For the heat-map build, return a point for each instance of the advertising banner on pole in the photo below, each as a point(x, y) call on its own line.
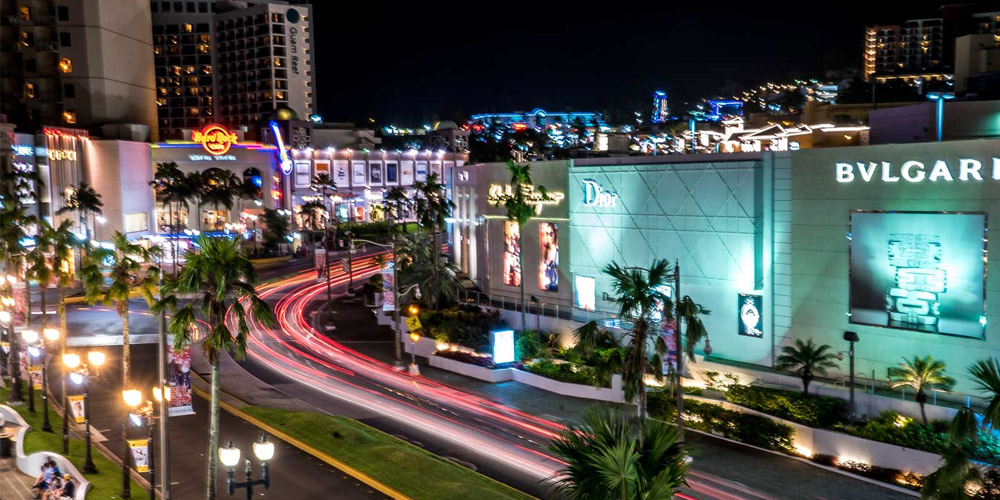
point(140, 455)
point(388, 298)
point(35, 372)
point(670, 360)
point(76, 407)
point(320, 260)
point(180, 382)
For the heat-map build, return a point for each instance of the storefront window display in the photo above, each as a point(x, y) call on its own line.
point(164, 225)
point(214, 220)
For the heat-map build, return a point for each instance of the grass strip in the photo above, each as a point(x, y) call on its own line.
point(408, 469)
point(105, 485)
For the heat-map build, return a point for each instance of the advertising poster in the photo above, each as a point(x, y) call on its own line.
point(375, 171)
point(140, 455)
point(548, 266)
point(503, 346)
point(750, 323)
point(319, 259)
point(919, 271)
point(436, 169)
point(421, 171)
point(35, 372)
point(670, 359)
point(340, 173)
point(406, 168)
point(76, 409)
point(391, 173)
point(358, 171)
point(179, 368)
point(586, 292)
point(303, 177)
point(511, 254)
point(388, 282)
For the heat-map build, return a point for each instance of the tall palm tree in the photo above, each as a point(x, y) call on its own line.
point(86, 203)
point(195, 181)
point(806, 359)
point(218, 189)
point(222, 279)
point(920, 374)
point(324, 185)
point(37, 268)
point(418, 265)
point(986, 375)
point(62, 241)
point(13, 220)
point(607, 458)
point(173, 188)
point(639, 295)
point(520, 209)
point(433, 208)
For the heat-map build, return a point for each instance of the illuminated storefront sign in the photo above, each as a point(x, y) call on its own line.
point(750, 324)
point(595, 195)
point(503, 346)
point(62, 154)
point(498, 193)
point(212, 158)
point(285, 161)
point(22, 150)
point(215, 139)
point(917, 171)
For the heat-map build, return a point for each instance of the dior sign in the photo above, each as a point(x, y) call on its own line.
point(964, 169)
point(595, 195)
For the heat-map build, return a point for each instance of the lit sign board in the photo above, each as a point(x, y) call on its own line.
point(586, 292)
point(498, 193)
point(212, 158)
point(216, 139)
point(968, 169)
point(286, 162)
point(750, 323)
point(597, 196)
point(22, 150)
point(503, 346)
point(62, 154)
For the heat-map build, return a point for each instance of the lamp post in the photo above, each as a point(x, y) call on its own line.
point(940, 98)
point(30, 337)
point(144, 415)
point(80, 375)
point(851, 338)
point(229, 455)
point(40, 350)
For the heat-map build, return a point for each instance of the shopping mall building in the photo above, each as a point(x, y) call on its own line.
point(886, 241)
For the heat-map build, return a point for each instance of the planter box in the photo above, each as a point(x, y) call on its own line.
point(469, 370)
point(611, 395)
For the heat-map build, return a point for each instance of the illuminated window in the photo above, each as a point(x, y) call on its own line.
point(161, 102)
point(188, 28)
point(27, 38)
point(203, 49)
point(279, 62)
point(158, 51)
point(29, 90)
point(66, 65)
point(176, 70)
point(69, 116)
point(193, 111)
point(206, 70)
point(24, 12)
point(136, 222)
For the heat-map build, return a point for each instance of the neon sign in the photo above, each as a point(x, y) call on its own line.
point(216, 139)
point(62, 154)
point(916, 171)
point(595, 195)
point(286, 162)
point(498, 193)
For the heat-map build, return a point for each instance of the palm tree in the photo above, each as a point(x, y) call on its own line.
point(62, 241)
point(920, 373)
point(432, 209)
point(195, 181)
point(13, 220)
point(950, 481)
point(36, 267)
point(85, 202)
point(218, 189)
point(418, 265)
point(639, 295)
point(520, 209)
point(608, 459)
point(222, 279)
point(806, 360)
point(324, 185)
point(172, 188)
point(986, 373)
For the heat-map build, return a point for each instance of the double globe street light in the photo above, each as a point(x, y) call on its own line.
point(229, 455)
point(80, 375)
point(37, 348)
point(145, 415)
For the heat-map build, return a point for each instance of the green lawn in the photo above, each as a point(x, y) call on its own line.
point(105, 485)
point(400, 465)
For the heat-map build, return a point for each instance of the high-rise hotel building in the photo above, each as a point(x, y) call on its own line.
point(231, 62)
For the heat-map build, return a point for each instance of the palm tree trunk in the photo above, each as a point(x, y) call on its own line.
point(126, 357)
point(173, 230)
point(63, 374)
point(437, 263)
point(15, 396)
point(213, 433)
point(520, 263)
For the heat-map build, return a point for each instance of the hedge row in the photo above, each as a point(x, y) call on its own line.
point(814, 411)
point(743, 427)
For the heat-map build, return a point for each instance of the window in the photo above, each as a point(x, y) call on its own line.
point(136, 222)
point(69, 116)
point(202, 7)
point(29, 90)
point(178, 6)
point(64, 39)
point(188, 28)
point(165, 6)
point(190, 6)
point(27, 38)
point(69, 90)
point(24, 13)
point(66, 65)
point(63, 13)
point(30, 66)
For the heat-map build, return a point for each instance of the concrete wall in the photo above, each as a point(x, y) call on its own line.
point(918, 123)
point(120, 172)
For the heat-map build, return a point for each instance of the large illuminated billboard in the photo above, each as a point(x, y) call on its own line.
point(511, 254)
point(548, 265)
point(919, 271)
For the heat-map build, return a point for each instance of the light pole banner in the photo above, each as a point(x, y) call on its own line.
point(670, 360)
point(76, 407)
point(388, 298)
point(180, 382)
point(140, 455)
point(35, 372)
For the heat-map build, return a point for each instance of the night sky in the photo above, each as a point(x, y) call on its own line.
point(409, 63)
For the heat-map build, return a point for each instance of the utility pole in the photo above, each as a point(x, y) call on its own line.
point(164, 406)
point(397, 342)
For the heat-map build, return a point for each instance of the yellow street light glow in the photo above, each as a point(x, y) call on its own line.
point(132, 397)
point(96, 358)
point(51, 333)
point(71, 360)
point(229, 455)
point(29, 336)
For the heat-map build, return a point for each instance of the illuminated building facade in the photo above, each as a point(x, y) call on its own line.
point(61, 67)
point(661, 109)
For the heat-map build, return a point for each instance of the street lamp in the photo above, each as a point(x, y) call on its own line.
point(851, 338)
point(940, 97)
point(229, 455)
point(80, 375)
point(144, 415)
point(37, 348)
point(30, 337)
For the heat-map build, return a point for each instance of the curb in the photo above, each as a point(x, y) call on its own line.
point(347, 469)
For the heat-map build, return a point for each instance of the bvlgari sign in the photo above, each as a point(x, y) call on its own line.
point(963, 169)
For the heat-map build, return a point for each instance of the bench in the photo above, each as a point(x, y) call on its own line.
point(32, 464)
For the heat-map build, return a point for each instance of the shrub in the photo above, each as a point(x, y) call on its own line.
point(743, 427)
point(467, 326)
point(526, 345)
point(563, 372)
point(814, 411)
point(891, 427)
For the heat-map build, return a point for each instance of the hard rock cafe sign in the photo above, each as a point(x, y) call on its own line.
point(216, 139)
